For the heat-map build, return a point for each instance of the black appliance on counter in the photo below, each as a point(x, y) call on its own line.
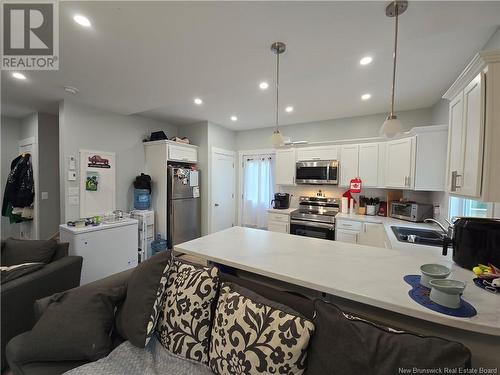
point(474, 241)
point(315, 217)
point(281, 201)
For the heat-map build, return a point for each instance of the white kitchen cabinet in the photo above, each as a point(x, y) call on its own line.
point(474, 136)
point(362, 233)
point(343, 235)
point(285, 167)
point(278, 222)
point(183, 153)
point(317, 153)
point(430, 155)
point(349, 157)
point(368, 168)
point(399, 166)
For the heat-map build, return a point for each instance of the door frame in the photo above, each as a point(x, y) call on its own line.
point(241, 155)
point(34, 160)
point(220, 151)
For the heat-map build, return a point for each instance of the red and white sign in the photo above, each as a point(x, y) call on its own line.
point(355, 185)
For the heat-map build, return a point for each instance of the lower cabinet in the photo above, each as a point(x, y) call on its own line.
point(371, 234)
point(278, 223)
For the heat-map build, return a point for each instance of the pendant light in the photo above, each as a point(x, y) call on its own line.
point(392, 125)
point(278, 48)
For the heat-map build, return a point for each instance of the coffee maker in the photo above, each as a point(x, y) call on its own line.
point(474, 240)
point(281, 201)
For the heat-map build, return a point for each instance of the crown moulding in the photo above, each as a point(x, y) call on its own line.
point(475, 66)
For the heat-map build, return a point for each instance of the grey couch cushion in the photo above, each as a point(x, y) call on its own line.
point(76, 325)
point(26, 251)
point(153, 360)
point(136, 318)
point(343, 344)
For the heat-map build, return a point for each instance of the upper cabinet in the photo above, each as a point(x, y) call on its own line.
point(317, 153)
point(370, 156)
point(349, 158)
point(400, 167)
point(474, 130)
point(285, 167)
point(183, 153)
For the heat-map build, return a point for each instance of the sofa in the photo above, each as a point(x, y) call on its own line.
point(338, 336)
point(18, 296)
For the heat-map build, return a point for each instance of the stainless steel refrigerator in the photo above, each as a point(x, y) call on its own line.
point(183, 204)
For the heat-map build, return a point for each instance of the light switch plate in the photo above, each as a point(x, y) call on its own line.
point(72, 163)
point(71, 176)
point(74, 201)
point(45, 195)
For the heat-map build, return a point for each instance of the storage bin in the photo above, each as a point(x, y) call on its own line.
point(158, 245)
point(142, 199)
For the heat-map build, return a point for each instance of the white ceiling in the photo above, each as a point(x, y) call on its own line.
point(153, 58)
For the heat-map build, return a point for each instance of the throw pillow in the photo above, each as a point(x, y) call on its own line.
point(253, 335)
point(27, 251)
point(185, 322)
point(344, 344)
point(136, 319)
point(76, 325)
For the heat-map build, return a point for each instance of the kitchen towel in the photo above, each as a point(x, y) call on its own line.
point(420, 294)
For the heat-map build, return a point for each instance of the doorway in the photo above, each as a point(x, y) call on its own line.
point(28, 230)
point(222, 205)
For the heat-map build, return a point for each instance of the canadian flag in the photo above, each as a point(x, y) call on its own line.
point(355, 185)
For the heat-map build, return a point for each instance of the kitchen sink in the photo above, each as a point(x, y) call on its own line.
point(427, 237)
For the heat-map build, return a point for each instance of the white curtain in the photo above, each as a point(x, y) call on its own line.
point(258, 189)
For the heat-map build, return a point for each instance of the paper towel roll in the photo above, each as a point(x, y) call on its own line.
point(344, 205)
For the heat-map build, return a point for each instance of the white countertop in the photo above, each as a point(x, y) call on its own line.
point(285, 211)
point(365, 274)
point(102, 226)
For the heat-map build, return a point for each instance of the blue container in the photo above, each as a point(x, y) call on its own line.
point(158, 245)
point(142, 199)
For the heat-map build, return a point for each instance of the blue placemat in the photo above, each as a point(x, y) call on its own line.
point(420, 294)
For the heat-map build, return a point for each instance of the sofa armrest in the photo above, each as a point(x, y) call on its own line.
point(115, 280)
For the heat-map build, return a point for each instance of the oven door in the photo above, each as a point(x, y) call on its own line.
point(312, 229)
point(316, 172)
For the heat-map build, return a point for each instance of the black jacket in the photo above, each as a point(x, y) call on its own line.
point(20, 187)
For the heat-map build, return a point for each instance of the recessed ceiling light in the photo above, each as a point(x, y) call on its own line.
point(289, 109)
point(82, 20)
point(18, 75)
point(264, 85)
point(71, 89)
point(198, 101)
point(366, 96)
point(234, 118)
point(366, 60)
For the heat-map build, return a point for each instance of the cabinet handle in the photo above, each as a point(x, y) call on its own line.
point(406, 181)
point(454, 184)
point(409, 181)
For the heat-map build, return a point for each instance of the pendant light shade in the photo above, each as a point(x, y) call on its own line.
point(277, 138)
point(392, 126)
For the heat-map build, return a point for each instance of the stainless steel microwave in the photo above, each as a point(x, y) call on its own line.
point(411, 211)
point(318, 172)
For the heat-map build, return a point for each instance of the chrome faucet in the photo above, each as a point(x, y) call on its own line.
point(447, 233)
point(443, 228)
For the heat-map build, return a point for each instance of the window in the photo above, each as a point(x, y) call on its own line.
point(469, 207)
point(258, 189)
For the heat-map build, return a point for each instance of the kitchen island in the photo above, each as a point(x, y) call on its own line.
point(369, 276)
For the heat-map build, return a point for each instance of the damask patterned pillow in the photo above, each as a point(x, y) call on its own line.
point(252, 335)
point(184, 324)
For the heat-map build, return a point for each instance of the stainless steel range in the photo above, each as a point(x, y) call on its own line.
point(315, 217)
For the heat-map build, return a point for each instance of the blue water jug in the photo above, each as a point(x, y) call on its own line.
point(142, 199)
point(158, 245)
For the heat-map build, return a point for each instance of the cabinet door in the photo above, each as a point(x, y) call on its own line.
point(368, 164)
point(182, 153)
point(285, 167)
point(472, 143)
point(348, 164)
point(455, 134)
point(317, 153)
point(399, 163)
point(372, 235)
point(276, 226)
point(346, 236)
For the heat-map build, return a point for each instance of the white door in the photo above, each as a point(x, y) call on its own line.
point(285, 167)
point(472, 143)
point(28, 230)
point(348, 164)
point(368, 164)
point(399, 159)
point(223, 181)
point(455, 135)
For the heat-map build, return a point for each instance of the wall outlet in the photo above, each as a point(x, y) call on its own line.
point(45, 195)
point(71, 176)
